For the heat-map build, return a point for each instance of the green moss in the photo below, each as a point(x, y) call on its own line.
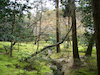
point(83, 71)
point(8, 64)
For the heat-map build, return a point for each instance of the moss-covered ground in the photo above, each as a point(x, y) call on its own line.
point(13, 65)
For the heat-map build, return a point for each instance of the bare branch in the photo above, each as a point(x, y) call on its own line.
point(43, 49)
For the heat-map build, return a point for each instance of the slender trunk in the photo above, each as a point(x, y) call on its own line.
point(36, 36)
point(12, 32)
point(11, 48)
point(18, 46)
point(68, 26)
point(74, 33)
point(68, 22)
point(39, 28)
point(96, 16)
point(57, 26)
point(90, 46)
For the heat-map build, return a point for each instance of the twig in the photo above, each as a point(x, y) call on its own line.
point(43, 49)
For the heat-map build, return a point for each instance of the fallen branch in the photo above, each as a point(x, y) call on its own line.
point(14, 43)
point(66, 37)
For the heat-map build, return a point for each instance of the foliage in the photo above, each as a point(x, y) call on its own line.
point(20, 26)
point(66, 8)
point(87, 18)
point(11, 13)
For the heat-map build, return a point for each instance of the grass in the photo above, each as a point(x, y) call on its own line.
point(83, 71)
point(8, 65)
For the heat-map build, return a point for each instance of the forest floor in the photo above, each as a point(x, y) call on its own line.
point(42, 64)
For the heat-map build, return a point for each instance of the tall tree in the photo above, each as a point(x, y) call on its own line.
point(67, 13)
point(96, 16)
point(74, 31)
point(57, 25)
point(69, 10)
point(12, 30)
point(87, 21)
point(90, 46)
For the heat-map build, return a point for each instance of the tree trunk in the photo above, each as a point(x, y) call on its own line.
point(96, 16)
point(69, 41)
point(74, 33)
point(90, 46)
point(11, 48)
point(12, 39)
point(12, 32)
point(57, 26)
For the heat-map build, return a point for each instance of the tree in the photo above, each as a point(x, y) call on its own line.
point(74, 32)
point(67, 13)
point(57, 25)
point(87, 21)
point(4, 35)
point(11, 14)
point(90, 46)
point(96, 17)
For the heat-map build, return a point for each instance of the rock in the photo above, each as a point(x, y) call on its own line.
point(48, 73)
point(49, 53)
point(53, 67)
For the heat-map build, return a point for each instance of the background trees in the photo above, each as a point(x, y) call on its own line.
point(11, 13)
point(87, 21)
point(39, 33)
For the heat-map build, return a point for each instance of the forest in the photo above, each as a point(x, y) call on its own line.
point(49, 37)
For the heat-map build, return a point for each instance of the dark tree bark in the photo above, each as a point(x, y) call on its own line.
point(90, 46)
point(96, 16)
point(57, 26)
point(11, 47)
point(68, 26)
point(74, 33)
point(12, 32)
